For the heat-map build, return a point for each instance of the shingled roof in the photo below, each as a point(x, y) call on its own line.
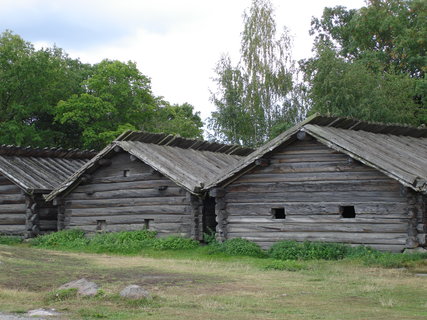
point(187, 162)
point(40, 169)
point(399, 152)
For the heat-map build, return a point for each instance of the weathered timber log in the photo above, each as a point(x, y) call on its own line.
point(316, 227)
point(14, 229)
point(129, 193)
point(306, 176)
point(133, 227)
point(163, 209)
point(132, 219)
point(313, 168)
point(217, 192)
point(412, 211)
point(304, 136)
point(104, 162)
point(12, 198)
point(195, 204)
point(12, 208)
point(9, 219)
point(61, 217)
point(124, 202)
point(393, 210)
point(313, 219)
point(344, 237)
point(422, 239)
point(221, 216)
point(9, 189)
point(254, 197)
point(112, 185)
point(86, 178)
point(48, 225)
point(316, 186)
point(381, 247)
point(262, 162)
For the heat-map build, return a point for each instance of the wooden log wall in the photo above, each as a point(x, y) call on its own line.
point(312, 183)
point(421, 222)
point(12, 208)
point(47, 215)
point(125, 194)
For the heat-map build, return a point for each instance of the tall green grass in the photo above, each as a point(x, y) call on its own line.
point(134, 242)
point(125, 242)
point(10, 240)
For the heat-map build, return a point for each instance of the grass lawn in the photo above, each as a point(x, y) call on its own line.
point(190, 285)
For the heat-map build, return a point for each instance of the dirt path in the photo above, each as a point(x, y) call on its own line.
point(8, 316)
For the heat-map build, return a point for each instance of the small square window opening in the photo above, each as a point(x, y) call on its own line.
point(147, 223)
point(125, 173)
point(347, 212)
point(278, 213)
point(101, 225)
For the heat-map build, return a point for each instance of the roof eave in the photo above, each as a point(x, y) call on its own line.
point(410, 184)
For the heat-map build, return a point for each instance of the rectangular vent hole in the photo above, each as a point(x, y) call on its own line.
point(147, 223)
point(347, 212)
point(278, 213)
point(101, 225)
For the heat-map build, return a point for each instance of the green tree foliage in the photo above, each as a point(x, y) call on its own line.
point(252, 98)
point(370, 63)
point(177, 119)
point(31, 83)
point(49, 99)
point(117, 97)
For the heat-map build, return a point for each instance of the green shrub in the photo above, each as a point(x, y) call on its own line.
point(390, 260)
point(287, 265)
point(293, 250)
point(10, 240)
point(122, 242)
point(118, 242)
point(72, 238)
point(61, 295)
point(209, 237)
point(174, 243)
point(241, 247)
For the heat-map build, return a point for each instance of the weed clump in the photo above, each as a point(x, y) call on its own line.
point(287, 255)
point(286, 265)
point(61, 295)
point(174, 243)
point(124, 242)
point(293, 250)
point(121, 242)
point(10, 240)
point(377, 258)
point(66, 239)
point(238, 247)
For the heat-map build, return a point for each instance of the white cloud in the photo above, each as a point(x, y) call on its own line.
point(175, 43)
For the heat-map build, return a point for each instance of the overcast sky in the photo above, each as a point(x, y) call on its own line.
point(174, 42)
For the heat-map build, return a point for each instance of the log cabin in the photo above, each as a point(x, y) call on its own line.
point(332, 180)
point(26, 174)
point(146, 181)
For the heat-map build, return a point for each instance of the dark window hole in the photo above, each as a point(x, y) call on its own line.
point(347, 212)
point(278, 213)
point(147, 223)
point(101, 225)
